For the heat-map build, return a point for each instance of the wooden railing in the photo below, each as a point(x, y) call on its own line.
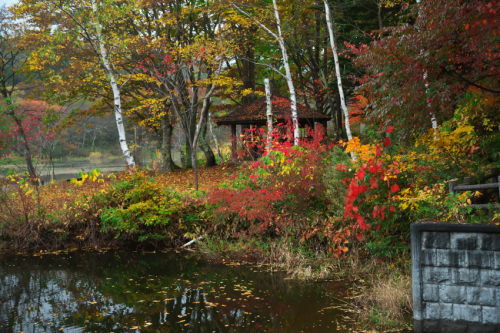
point(469, 185)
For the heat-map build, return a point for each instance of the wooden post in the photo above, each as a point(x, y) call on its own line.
point(452, 184)
point(498, 179)
point(468, 181)
point(494, 173)
point(233, 142)
point(325, 126)
point(494, 179)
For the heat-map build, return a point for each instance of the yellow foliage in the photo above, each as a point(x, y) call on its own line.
point(363, 152)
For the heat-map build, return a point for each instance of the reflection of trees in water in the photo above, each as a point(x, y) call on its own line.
point(60, 289)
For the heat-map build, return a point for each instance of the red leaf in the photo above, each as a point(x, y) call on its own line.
point(373, 168)
point(377, 227)
point(361, 175)
point(359, 237)
point(389, 129)
point(341, 167)
point(395, 188)
point(387, 142)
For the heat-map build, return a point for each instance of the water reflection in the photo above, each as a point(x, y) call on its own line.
point(157, 292)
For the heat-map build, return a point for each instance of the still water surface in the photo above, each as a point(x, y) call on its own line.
point(174, 291)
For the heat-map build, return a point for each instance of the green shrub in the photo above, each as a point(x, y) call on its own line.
point(137, 204)
point(334, 180)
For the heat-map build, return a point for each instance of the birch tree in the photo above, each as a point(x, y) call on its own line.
point(269, 114)
point(433, 117)
point(72, 33)
point(337, 71)
point(110, 72)
point(288, 74)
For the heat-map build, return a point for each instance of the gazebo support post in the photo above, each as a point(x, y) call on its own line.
point(325, 126)
point(233, 142)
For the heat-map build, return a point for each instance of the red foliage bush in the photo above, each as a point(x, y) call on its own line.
point(281, 185)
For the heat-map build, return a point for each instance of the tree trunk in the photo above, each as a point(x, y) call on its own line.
point(167, 129)
point(84, 135)
point(182, 153)
point(338, 112)
point(338, 74)
point(93, 142)
point(233, 143)
point(187, 156)
point(269, 115)
point(433, 117)
point(194, 142)
point(116, 95)
point(190, 133)
point(288, 76)
point(205, 147)
point(380, 16)
point(27, 150)
point(248, 65)
point(221, 158)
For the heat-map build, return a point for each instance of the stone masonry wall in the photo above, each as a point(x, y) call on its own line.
point(459, 277)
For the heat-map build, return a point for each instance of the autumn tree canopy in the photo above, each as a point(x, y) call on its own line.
point(427, 66)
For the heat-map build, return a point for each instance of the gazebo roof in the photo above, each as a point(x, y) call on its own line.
point(255, 113)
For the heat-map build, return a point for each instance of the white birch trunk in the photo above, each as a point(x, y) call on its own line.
point(337, 72)
point(116, 95)
point(215, 138)
point(269, 115)
point(288, 77)
point(433, 117)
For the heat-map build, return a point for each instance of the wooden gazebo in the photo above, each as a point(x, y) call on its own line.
point(255, 114)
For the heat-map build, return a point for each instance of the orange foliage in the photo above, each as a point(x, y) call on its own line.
point(357, 109)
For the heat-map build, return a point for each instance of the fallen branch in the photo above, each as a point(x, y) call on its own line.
point(192, 241)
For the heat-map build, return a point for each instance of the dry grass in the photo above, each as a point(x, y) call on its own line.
point(387, 300)
point(383, 290)
point(96, 157)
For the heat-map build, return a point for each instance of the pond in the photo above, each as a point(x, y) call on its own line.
point(171, 291)
point(64, 170)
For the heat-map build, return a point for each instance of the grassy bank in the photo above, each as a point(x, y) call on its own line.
point(380, 289)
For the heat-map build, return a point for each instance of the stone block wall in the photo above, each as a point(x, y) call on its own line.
point(456, 277)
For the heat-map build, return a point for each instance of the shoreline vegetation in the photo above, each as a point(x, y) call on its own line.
point(309, 210)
